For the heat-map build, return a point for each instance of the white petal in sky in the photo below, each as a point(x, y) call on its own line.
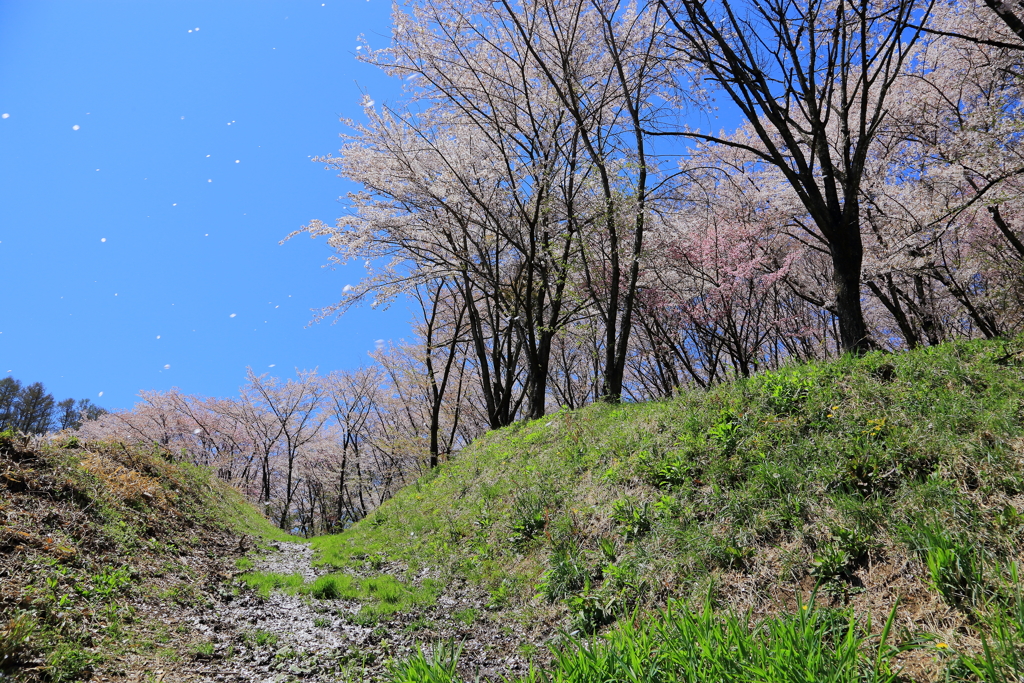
point(158, 336)
point(103, 239)
point(232, 315)
point(209, 180)
point(236, 161)
point(5, 116)
point(101, 393)
point(167, 367)
point(75, 127)
point(272, 365)
point(348, 288)
point(175, 204)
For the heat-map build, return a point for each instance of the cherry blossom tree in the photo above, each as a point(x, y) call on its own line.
point(815, 80)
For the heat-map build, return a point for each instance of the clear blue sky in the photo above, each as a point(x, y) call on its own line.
point(138, 229)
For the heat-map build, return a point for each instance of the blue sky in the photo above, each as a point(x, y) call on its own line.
point(147, 174)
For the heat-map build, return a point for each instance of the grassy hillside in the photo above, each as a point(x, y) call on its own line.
point(98, 546)
point(801, 511)
point(852, 521)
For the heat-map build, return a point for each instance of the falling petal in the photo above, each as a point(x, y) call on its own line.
point(75, 127)
point(232, 315)
point(167, 367)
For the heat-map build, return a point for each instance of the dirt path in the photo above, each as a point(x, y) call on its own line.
point(296, 637)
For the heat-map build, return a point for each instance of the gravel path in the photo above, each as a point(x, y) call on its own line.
point(278, 638)
point(298, 638)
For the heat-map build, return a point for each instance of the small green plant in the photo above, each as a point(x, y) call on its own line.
point(830, 563)
point(321, 622)
point(439, 665)
point(634, 518)
point(260, 638)
point(592, 609)
point(106, 584)
point(608, 550)
point(528, 515)
point(467, 616)
point(14, 637)
point(785, 392)
point(203, 650)
point(244, 564)
point(265, 582)
point(955, 565)
point(673, 471)
point(502, 594)
point(726, 433)
point(69, 662)
point(567, 572)
point(332, 587)
point(1002, 657)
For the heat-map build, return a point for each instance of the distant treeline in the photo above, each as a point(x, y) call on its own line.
point(30, 409)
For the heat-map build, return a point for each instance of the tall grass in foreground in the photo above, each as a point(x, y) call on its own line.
point(687, 646)
point(1002, 657)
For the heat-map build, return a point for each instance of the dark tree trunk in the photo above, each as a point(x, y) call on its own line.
point(847, 258)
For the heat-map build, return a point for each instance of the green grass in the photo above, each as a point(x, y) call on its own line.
point(818, 473)
point(680, 644)
point(381, 595)
point(265, 582)
point(260, 638)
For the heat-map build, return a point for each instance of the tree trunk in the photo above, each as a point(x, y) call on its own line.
point(847, 258)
